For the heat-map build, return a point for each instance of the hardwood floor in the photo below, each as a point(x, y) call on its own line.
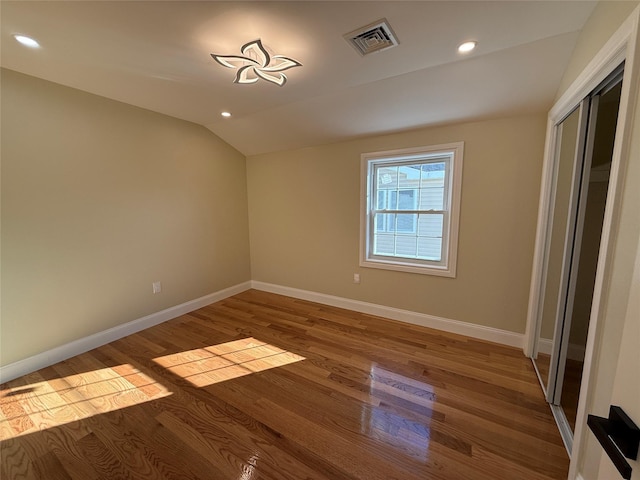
point(261, 386)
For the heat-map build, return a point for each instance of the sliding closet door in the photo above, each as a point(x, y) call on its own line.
point(593, 198)
point(583, 231)
point(571, 133)
point(572, 251)
point(560, 257)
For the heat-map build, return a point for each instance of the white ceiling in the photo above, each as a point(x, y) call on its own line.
point(156, 55)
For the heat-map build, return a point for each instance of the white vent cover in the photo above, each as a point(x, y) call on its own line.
point(375, 37)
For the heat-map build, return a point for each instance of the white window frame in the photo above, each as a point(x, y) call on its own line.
point(451, 208)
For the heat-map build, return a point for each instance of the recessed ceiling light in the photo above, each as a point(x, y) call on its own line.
point(466, 47)
point(27, 41)
point(226, 114)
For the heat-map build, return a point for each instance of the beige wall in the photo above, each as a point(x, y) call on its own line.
point(100, 199)
point(304, 216)
point(626, 388)
point(604, 21)
point(619, 293)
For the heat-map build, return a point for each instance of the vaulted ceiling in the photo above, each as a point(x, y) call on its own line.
point(156, 55)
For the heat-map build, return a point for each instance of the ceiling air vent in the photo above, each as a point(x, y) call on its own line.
point(375, 37)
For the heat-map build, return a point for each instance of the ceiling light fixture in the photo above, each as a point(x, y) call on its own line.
point(27, 41)
point(226, 114)
point(256, 63)
point(466, 47)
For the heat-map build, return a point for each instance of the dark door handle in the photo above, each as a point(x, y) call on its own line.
point(619, 437)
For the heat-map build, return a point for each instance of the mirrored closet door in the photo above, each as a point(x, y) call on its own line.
point(584, 148)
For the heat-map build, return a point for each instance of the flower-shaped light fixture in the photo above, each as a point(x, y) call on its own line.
point(256, 63)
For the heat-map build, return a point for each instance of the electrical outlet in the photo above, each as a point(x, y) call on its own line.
point(356, 278)
point(157, 287)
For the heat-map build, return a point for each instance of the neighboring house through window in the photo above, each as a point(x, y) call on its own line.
point(410, 209)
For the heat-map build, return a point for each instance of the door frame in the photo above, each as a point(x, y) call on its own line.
point(621, 47)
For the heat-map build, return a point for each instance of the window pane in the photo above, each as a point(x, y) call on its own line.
point(406, 223)
point(406, 246)
point(432, 198)
point(406, 200)
point(387, 177)
point(383, 244)
point(385, 222)
point(409, 176)
point(430, 248)
point(392, 202)
point(430, 225)
point(432, 174)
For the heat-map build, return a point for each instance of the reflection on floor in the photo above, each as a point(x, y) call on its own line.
point(261, 386)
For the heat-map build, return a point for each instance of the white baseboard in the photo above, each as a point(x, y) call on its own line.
point(58, 354)
point(545, 345)
point(574, 352)
point(490, 334)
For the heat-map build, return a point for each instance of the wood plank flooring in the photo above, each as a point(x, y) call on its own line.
point(261, 386)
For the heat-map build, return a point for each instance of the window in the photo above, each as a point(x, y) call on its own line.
point(410, 209)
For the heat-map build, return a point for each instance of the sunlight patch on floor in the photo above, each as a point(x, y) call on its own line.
point(226, 361)
point(50, 403)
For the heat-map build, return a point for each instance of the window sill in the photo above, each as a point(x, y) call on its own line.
point(410, 268)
